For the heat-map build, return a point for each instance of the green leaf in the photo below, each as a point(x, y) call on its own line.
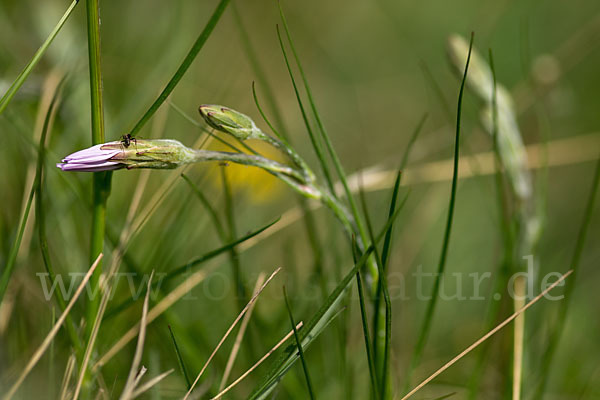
point(185, 65)
point(16, 85)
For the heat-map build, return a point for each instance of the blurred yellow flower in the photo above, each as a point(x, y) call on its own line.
point(259, 186)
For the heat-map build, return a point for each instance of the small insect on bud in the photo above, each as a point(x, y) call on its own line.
point(156, 154)
point(226, 120)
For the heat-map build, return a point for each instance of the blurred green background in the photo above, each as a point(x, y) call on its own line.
point(375, 69)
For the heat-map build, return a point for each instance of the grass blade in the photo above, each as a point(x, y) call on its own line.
point(245, 374)
point(334, 157)
point(180, 359)
point(240, 335)
point(564, 306)
point(486, 336)
point(426, 326)
point(101, 180)
point(383, 368)
point(313, 139)
point(42, 348)
point(187, 61)
point(233, 324)
point(16, 85)
point(366, 333)
point(134, 372)
point(41, 217)
point(189, 266)
point(12, 257)
point(318, 323)
point(298, 345)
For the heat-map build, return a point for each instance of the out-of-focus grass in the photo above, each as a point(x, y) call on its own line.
point(364, 62)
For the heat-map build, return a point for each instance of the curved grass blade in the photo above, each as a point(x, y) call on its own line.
point(180, 359)
point(382, 283)
point(317, 324)
point(189, 267)
point(187, 61)
point(41, 218)
point(426, 326)
point(324, 136)
point(365, 327)
point(298, 345)
point(16, 85)
point(378, 348)
point(12, 257)
point(564, 306)
point(313, 139)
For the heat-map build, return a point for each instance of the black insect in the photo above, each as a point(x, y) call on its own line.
point(126, 140)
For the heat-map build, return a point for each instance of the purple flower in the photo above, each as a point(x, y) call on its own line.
point(92, 159)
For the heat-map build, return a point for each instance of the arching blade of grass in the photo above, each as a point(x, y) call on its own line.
point(261, 76)
point(185, 65)
point(486, 336)
point(298, 345)
point(426, 326)
point(378, 347)
point(382, 360)
point(41, 218)
point(211, 210)
point(189, 267)
point(316, 325)
point(14, 250)
point(366, 331)
point(313, 139)
point(12, 90)
point(324, 136)
point(48, 339)
point(553, 343)
point(180, 360)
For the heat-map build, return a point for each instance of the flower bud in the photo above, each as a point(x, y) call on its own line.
point(135, 153)
point(230, 121)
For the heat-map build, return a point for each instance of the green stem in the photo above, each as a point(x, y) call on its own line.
point(101, 184)
point(189, 58)
point(426, 326)
point(16, 85)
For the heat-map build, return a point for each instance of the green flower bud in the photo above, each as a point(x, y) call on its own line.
point(157, 154)
point(230, 121)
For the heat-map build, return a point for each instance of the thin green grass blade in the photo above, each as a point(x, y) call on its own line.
point(426, 326)
point(366, 330)
point(209, 132)
point(313, 139)
point(185, 65)
point(211, 210)
point(388, 236)
point(325, 137)
point(556, 334)
point(16, 85)
point(317, 324)
point(101, 180)
point(382, 369)
point(309, 332)
point(41, 220)
point(298, 345)
point(12, 257)
point(180, 359)
point(261, 76)
point(189, 267)
point(232, 233)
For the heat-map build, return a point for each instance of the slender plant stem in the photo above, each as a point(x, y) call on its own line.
point(299, 346)
point(16, 85)
point(185, 65)
point(101, 180)
point(426, 326)
point(564, 306)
